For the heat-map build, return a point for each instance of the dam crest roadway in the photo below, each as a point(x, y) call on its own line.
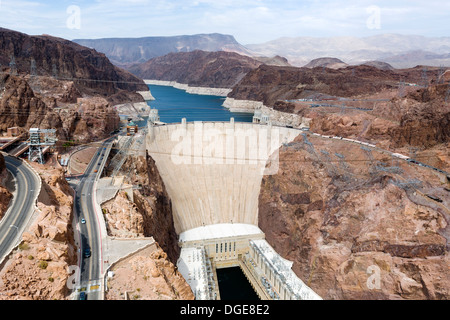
point(213, 173)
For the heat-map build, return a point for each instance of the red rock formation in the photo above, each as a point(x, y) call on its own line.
point(96, 74)
point(151, 211)
point(198, 68)
point(342, 225)
point(38, 270)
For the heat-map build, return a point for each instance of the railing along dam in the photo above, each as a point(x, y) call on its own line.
point(213, 170)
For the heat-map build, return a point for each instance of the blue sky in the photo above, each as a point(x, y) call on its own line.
point(250, 21)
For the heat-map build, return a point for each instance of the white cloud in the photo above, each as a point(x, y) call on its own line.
point(250, 21)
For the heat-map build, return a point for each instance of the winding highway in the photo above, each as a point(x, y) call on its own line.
point(22, 207)
point(90, 231)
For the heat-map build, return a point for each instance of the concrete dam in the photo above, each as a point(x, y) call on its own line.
point(213, 173)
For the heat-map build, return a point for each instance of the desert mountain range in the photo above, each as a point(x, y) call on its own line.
point(400, 51)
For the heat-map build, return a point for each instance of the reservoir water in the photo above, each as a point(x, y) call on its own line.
point(174, 104)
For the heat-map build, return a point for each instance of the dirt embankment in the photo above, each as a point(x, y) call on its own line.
point(357, 229)
point(38, 269)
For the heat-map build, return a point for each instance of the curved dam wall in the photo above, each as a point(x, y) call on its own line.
point(213, 171)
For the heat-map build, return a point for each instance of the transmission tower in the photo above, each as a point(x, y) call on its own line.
point(33, 74)
point(332, 171)
point(342, 162)
point(425, 77)
point(33, 69)
point(440, 79)
point(393, 168)
point(309, 146)
point(54, 71)
point(408, 184)
point(447, 95)
point(401, 89)
point(373, 164)
point(13, 66)
point(40, 139)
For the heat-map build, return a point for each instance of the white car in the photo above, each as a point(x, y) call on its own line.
point(83, 221)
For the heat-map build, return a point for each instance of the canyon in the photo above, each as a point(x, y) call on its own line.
point(337, 211)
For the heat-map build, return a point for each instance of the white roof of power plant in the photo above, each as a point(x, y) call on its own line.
point(215, 231)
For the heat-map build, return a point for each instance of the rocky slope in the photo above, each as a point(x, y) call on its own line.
point(55, 83)
point(67, 60)
point(354, 231)
point(87, 119)
point(150, 212)
point(38, 269)
point(270, 84)
point(418, 120)
point(198, 68)
point(148, 275)
point(331, 63)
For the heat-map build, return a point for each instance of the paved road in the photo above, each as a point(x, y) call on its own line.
point(90, 232)
point(22, 206)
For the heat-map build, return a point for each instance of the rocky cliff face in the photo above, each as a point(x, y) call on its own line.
point(38, 270)
point(150, 214)
point(67, 60)
point(427, 120)
point(270, 84)
point(58, 84)
point(85, 120)
point(198, 68)
point(354, 231)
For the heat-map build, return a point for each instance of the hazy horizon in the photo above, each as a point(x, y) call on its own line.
point(250, 22)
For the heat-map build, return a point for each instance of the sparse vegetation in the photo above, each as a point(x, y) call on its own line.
point(24, 246)
point(43, 264)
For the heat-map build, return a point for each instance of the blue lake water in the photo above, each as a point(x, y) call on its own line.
point(175, 104)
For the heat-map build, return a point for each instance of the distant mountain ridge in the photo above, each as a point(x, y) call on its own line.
point(198, 68)
point(400, 51)
point(128, 51)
